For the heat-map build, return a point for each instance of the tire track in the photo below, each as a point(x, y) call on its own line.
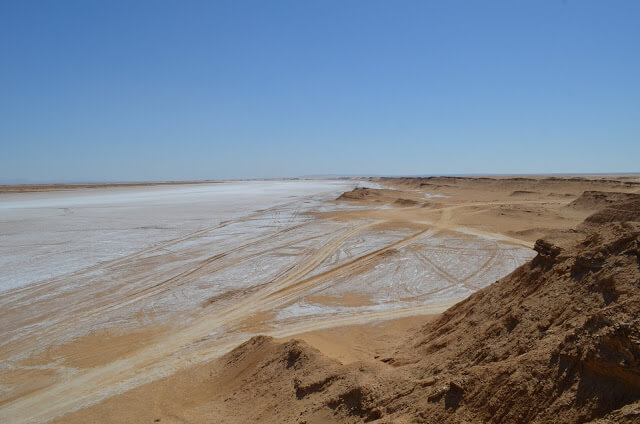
point(151, 362)
point(34, 288)
point(286, 294)
point(115, 301)
point(194, 343)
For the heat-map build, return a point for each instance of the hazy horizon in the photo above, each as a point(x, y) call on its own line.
point(319, 176)
point(151, 91)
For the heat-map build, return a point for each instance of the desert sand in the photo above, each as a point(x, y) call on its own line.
point(335, 284)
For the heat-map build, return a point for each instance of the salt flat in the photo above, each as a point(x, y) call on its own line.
point(50, 233)
point(112, 288)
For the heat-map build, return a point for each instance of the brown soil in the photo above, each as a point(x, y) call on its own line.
point(597, 200)
point(558, 340)
point(97, 348)
point(385, 196)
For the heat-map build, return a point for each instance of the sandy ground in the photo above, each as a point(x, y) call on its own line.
point(200, 270)
point(180, 397)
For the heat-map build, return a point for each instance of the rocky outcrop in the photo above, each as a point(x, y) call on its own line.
point(556, 341)
point(360, 193)
point(596, 200)
point(619, 212)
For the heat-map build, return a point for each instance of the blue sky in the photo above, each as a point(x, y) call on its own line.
point(120, 90)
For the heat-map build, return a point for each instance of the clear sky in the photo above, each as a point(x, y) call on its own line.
point(133, 90)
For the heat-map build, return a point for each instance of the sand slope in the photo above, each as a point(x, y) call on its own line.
point(420, 245)
point(558, 340)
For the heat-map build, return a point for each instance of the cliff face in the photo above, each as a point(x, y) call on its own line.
point(557, 341)
point(600, 199)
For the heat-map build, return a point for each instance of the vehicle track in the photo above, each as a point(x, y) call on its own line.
point(32, 289)
point(300, 288)
point(81, 389)
point(116, 300)
point(463, 281)
point(195, 342)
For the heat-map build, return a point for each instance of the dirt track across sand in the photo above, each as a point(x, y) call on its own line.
point(281, 271)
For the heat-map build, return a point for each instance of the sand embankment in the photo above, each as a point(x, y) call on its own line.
point(340, 264)
point(555, 341)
